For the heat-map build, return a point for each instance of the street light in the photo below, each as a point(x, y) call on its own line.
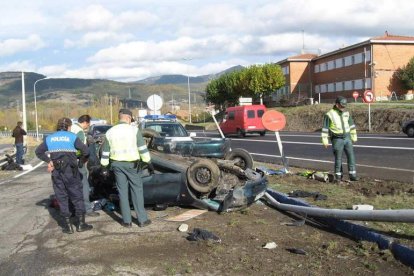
point(189, 92)
point(35, 104)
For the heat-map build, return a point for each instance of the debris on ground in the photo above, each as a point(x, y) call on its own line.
point(362, 207)
point(183, 227)
point(270, 245)
point(298, 251)
point(268, 171)
point(199, 234)
point(11, 165)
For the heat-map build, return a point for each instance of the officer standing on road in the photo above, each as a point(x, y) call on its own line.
point(18, 133)
point(123, 148)
point(340, 128)
point(61, 146)
point(79, 129)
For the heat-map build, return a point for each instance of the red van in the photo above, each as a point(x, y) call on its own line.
point(243, 119)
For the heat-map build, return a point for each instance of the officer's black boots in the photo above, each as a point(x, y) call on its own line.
point(67, 226)
point(81, 225)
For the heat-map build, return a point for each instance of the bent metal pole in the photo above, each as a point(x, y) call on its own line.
point(402, 215)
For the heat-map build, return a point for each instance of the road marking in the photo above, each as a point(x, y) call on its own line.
point(324, 161)
point(23, 173)
point(320, 144)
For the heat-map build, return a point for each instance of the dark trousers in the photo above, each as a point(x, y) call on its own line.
point(341, 145)
point(85, 188)
point(68, 187)
point(127, 178)
point(19, 153)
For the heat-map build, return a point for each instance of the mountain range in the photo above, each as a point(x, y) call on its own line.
point(70, 88)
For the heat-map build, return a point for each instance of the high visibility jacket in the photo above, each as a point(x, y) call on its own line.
point(124, 143)
point(78, 130)
point(338, 124)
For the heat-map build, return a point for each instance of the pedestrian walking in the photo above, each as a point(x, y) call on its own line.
point(123, 149)
point(59, 152)
point(79, 128)
point(18, 133)
point(339, 127)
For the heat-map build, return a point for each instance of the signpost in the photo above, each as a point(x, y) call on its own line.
point(355, 94)
point(274, 121)
point(368, 98)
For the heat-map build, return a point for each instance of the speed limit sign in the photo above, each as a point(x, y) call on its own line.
point(368, 96)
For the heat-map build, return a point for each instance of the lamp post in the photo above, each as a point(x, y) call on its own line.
point(189, 92)
point(35, 104)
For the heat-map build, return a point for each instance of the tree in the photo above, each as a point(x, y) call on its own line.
point(406, 74)
point(255, 81)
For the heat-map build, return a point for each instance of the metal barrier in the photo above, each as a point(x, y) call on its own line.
point(29, 133)
point(3, 157)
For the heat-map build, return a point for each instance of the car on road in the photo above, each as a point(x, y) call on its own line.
point(408, 128)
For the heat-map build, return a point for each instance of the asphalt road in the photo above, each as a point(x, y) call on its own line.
point(382, 156)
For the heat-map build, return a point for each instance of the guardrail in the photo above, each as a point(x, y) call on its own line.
point(29, 133)
point(3, 157)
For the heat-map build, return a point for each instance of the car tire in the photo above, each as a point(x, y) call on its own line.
point(242, 156)
point(241, 133)
point(410, 131)
point(203, 175)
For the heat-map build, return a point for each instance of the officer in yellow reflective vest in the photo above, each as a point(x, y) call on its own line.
point(123, 148)
point(340, 128)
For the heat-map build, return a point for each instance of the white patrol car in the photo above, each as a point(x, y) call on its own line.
point(168, 127)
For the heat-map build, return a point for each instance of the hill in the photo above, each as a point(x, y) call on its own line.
point(86, 90)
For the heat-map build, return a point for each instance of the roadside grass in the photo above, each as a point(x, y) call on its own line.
point(343, 196)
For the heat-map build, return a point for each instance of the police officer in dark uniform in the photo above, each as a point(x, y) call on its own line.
point(62, 163)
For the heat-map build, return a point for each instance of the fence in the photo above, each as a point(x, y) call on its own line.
point(29, 133)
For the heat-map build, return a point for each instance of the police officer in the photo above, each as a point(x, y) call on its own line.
point(123, 148)
point(340, 128)
point(61, 146)
point(79, 129)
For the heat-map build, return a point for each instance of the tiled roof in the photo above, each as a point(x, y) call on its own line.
point(303, 56)
point(388, 36)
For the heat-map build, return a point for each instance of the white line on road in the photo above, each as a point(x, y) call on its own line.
point(23, 173)
point(320, 144)
point(324, 161)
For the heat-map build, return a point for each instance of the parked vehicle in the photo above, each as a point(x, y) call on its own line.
point(408, 128)
point(244, 119)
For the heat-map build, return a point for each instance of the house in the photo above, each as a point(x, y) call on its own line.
point(368, 65)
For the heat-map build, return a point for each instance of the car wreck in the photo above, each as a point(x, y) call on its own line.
point(205, 174)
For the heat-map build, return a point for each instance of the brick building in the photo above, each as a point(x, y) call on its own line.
point(369, 65)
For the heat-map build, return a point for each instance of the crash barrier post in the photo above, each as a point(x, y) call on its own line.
point(401, 252)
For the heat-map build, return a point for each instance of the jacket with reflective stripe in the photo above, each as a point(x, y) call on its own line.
point(338, 123)
point(124, 143)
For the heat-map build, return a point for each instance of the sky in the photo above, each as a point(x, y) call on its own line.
point(133, 40)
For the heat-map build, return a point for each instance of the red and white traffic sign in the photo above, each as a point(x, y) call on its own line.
point(355, 94)
point(368, 96)
point(273, 120)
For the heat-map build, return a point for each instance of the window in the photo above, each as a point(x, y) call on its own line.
point(250, 114)
point(260, 113)
point(231, 115)
point(331, 65)
point(317, 68)
point(331, 87)
point(348, 61)
point(352, 59)
point(359, 58)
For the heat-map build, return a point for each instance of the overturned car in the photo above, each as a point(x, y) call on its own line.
point(198, 174)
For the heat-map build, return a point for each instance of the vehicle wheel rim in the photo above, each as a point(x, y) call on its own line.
point(240, 162)
point(203, 176)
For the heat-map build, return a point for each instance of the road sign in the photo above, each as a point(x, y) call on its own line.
point(368, 96)
point(273, 120)
point(355, 94)
point(154, 102)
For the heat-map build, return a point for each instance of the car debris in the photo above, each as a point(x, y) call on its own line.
point(199, 234)
point(298, 251)
point(183, 227)
point(270, 245)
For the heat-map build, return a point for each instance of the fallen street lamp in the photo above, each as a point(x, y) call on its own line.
point(35, 104)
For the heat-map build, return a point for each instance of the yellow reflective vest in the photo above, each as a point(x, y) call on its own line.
point(124, 143)
point(339, 124)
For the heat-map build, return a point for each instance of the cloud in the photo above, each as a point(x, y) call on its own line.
point(12, 46)
point(97, 38)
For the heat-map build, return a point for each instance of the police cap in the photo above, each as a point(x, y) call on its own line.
point(341, 101)
point(126, 112)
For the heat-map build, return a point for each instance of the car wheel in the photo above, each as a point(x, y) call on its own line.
point(242, 157)
point(410, 131)
point(241, 133)
point(203, 175)
point(263, 133)
point(149, 135)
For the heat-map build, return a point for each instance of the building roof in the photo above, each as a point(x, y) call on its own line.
point(390, 37)
point(301, 57)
